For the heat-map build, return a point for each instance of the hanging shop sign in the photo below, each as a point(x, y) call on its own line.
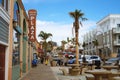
point(32, 25)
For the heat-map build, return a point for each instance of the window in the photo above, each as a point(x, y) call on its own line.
point(4, 4)
point(16, 12)
point(16, 38)
point(118, 50)
point(118, 38)
point(0, 1)
point(118, 25)
point(16, 48)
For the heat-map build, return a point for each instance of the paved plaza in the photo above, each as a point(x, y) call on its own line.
point(43, 72)
point(60, 75)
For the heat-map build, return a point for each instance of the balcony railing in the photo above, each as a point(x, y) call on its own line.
point(117, 42)
point(116, 30)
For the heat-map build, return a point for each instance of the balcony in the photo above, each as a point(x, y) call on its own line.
point(116, 30)
point(117, 42)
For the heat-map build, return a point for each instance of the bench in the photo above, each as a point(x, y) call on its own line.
point(89, 77)
point(83, 70)
point(116, 78)
point(64, 71)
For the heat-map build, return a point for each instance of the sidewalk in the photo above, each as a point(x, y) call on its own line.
point(41, 72)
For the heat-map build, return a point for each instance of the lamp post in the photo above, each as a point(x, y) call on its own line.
point(102, 42)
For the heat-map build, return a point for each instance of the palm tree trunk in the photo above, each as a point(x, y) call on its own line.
point(77, 50)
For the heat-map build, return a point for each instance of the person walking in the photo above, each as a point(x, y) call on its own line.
point(46, 60)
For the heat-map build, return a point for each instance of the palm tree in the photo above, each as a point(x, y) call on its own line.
point(77, 15)
point(72, 41)
point(44, 36)
point(68, 39)
point(63, 44)
point(95, 42)
point(50, 46)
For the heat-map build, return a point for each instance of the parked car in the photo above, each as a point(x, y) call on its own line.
point(89, 58)
point(93, 58)
point(71, 61)
point(58, 60)
point(112, 61)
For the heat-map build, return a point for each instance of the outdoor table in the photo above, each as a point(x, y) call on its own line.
point(109, 67)
point(99, 73)
point(73, 65)
point(74, 70)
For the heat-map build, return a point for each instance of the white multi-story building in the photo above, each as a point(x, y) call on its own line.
point(107, 34)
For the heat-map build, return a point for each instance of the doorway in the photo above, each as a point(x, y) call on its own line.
point(2, 62)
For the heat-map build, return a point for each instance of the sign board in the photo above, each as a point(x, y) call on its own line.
point(32, 25)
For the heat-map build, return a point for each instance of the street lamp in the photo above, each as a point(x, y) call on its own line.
point(102, 56)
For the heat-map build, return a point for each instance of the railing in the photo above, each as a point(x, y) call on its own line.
point(116, 30)
point(117, 42)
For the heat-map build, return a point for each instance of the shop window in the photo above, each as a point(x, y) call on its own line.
point(16, 48)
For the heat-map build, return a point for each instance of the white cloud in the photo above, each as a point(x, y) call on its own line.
point(61, 31)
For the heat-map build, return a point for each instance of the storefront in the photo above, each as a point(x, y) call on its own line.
point(17, 31)
point(4, 36)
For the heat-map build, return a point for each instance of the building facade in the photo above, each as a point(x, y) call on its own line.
point(5, 22)
point(16, 48)
point(107, 34)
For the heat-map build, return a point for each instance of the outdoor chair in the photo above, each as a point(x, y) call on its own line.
point(116, 78)
point(89, 77)
point(83, 70)
point(64, 71)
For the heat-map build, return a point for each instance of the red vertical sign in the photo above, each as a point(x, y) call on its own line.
point(32, 24)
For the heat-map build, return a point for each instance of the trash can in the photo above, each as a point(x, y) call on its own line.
point(98, 64)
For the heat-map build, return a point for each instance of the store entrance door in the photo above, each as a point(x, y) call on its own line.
point(2, 62)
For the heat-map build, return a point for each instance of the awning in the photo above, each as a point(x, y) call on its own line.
point(17, 28)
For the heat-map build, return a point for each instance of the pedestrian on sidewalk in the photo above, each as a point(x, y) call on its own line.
point(42, 59)
point(46, 60)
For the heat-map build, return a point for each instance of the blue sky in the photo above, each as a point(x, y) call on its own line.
point(53, 17)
